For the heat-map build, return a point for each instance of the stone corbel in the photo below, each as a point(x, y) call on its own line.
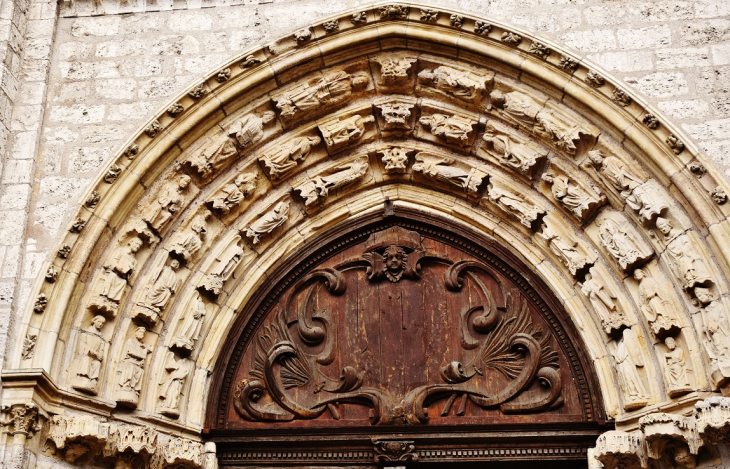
point(671, 435)
point(618, 449)
point(134, 438)
point(76, 436)
point(178, 451)
point(712, 419)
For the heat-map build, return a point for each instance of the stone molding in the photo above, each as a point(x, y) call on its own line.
point(148, 225)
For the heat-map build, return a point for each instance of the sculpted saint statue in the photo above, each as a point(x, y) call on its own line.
point(168, 202)
point(640, 196)
point(627, 363)
point(566, 252)
point(682, 255)
point(516, 107)
point(514, 204)
point(234, 192)
point(90, 353)
point(657, 309)
point(222, 270)
point(716, 330)
point(131, 368)
point(164, 287)
point(454, 82)
point(563, 133)
point(284, 158)
point(340, 133)
point(676, 369)
point(319, 187)
point(440, 169)
point(615, 172)
point(618, 242)
point(271, 220)
point(241, 135)
point(570, 195)
point(509, 152)
point(118, 269)
point(453, 129)
point(192, 322)
point(171, 385)
point(190, 241)
point(334, 87)
point(603, 303)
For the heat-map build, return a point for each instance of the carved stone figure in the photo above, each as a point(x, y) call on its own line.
point(159, 294)
point(682, 255)
point(453, 129)
point(192, 322)
point(640, 196)
point(572, 196)
point(514, 204)
point(620, 244)
point(395, 159)
point(562, 130)
point(396, 116)
point(332, 88)
point(628, 360)
point(283, 159)
point(222, 270)
point(114, 279)
point(233, 193)
point(318, 188)
point(565, 251)
point(394, 69)
point(716, 334)
point(270, 221)
point(441, 169)
point(171, 385)
point(603, 301)
point(504, 145)
point(654, 302)
point(516, 107)
point(676, 369)
point(88, 356)
point(241, 135)
point(460, 84)
point(342, 132)
point(131, 369)
point(191, 240)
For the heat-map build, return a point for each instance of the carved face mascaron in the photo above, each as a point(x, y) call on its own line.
point(395, 258)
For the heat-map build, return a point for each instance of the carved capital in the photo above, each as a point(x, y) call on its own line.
point(670, 434)
point(712, 418)
point(21, 419)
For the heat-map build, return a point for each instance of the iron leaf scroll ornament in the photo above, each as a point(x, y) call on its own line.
point(288, 381)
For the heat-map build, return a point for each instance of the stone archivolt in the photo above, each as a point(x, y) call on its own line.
point(458, 133)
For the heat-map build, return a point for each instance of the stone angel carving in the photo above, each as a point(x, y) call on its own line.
point(169, 201)
point(566, 251)
point(341, 133)
point(191, 323)
point(270, 221)
point(509, 150)
point(233, 193)
point(171, 385)
point(453, 129)
point(224, 266)
point(622, 245)
point(115, 277)
point(318, 188)
point(460, 84)
point(603, 300)
point(514, 204)
point(188, 242)
point(282, 160)
point(306, 98)
point(656, 304)
point(572, 196)
point(682, 255)
point(165, 286)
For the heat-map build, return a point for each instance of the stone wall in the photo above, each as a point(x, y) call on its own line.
point(87, 82)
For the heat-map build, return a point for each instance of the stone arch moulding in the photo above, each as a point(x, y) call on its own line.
point(390, 107)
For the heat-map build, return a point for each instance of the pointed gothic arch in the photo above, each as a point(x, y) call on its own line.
point(458, 118)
